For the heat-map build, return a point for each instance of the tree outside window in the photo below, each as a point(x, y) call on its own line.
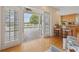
point(34, 19)
point(31, 20)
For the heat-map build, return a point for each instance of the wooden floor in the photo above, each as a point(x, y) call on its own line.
point(39, 45)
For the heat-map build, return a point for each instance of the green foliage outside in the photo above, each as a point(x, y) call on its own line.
point(34, 19)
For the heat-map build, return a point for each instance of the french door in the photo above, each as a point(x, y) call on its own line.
point(46, 24)
point(11, 28)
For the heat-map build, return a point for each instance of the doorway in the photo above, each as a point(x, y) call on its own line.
point(32, 26)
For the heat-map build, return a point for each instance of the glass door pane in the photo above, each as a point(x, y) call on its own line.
point(46, 24)
point(11, 26)
point(7, 29)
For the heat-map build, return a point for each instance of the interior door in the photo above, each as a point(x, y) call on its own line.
point(46, 24)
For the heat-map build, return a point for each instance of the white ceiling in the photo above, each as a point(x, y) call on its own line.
point(64, 10)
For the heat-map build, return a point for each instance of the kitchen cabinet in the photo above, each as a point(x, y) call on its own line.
point(70, 19)
point(74, 30)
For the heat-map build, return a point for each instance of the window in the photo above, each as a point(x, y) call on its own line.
point(11, 25)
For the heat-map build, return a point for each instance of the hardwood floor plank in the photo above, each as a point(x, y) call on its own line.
point(38, 45)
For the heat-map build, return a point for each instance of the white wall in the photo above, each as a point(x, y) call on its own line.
point(55, 18)
point(0, 28)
